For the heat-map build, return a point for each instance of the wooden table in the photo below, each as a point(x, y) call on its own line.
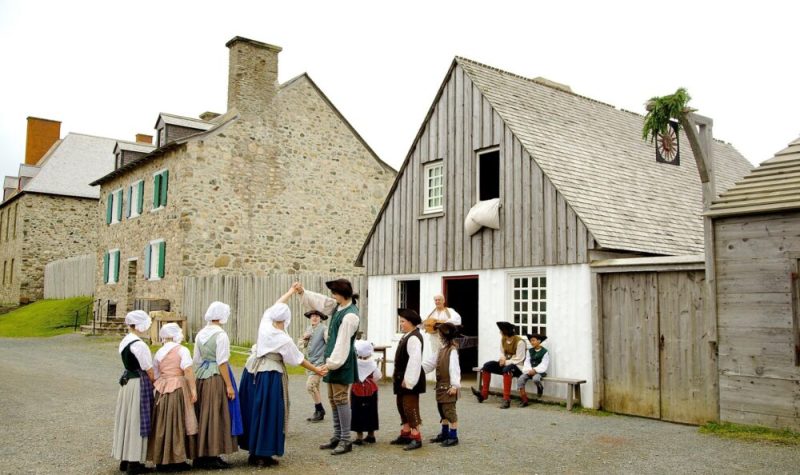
point(382, 349)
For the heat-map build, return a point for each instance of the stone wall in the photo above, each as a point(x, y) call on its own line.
point(10, 250)
point(48, 228)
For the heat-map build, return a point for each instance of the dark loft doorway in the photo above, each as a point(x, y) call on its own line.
point(461, 294)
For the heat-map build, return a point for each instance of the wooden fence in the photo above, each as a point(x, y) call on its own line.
point(249, 296)
point(70, 277)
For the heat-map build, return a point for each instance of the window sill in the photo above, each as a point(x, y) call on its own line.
point(154, 279)
point(435, 214)
point(157, 209)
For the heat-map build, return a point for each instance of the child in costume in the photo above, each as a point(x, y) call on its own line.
point(364, 395)
point(448, 382)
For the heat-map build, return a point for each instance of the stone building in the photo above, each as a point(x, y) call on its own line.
point(280, 183)
point(49, 209)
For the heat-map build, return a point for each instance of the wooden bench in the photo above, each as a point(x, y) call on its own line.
point(573, 386)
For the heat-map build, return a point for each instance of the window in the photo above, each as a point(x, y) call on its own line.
point(155, 255)
point(529, 303)
point(8, 222)
point(5, 265)
point(407, 296)
point(14, 222)
point(160, 186)
point(135, 199)
point(488, 175)
point(434, 187)
point(111, 266)
point(114, 207)
point(11, 272)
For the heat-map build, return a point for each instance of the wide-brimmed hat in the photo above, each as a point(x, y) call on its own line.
point(538, 336)
point(310, 314)
point(410, 315)
point(448, 331)
point(342, 287)
point(507, 328)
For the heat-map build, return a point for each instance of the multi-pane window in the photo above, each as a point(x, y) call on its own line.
point(111, 266)
point(160, 187)
point(155, 256)
point(135, 199)
point(434, 187)
point(114, 207)
point(529, 304)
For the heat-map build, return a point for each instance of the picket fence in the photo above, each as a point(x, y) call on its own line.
point(70, 277)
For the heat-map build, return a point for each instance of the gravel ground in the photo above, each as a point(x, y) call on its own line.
point(58, 398)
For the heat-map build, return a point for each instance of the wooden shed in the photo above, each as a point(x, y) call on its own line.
point(757, 260)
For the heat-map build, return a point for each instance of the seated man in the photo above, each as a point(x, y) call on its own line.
point(535, 368)
point(509, 365)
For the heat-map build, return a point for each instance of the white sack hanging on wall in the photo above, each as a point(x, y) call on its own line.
point(485, 213)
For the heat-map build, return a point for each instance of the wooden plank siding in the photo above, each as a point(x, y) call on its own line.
point(538, 226)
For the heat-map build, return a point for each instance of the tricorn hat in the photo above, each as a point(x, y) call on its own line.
point(507, 328)
point(410, 315)
point(538, 336)
point(342, 287)
point(316, 312)
point(448, 331)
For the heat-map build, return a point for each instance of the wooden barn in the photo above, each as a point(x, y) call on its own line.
point(510, 190)
point(757, 261)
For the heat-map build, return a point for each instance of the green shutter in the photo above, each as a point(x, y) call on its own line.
point(162, 257)
point(156, 190)
point(147, 261)
point(164, 187)
point(109, 207)
point(119, 207)
point(141, 197)
point(116, 268)
point(105, 268)
point(129, 204)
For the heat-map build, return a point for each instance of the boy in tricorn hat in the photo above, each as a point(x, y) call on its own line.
point(313, 342)
point(408, 380)
point(509, 365)
point(535, 367)
point(448, 382)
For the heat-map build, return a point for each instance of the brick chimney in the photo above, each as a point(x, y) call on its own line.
point(252, 75)
point(41, 135)
point(144, 138)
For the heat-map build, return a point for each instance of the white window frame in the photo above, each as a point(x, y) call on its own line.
point(525, 311)
point(118, 196)
point(154, 249)
point(134, 197)
point(478, 155)
point(427, 194)
point(112, 257)
point(398, 303)
point(153, 180)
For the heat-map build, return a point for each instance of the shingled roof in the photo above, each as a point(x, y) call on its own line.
point(595, 156)
point(773, 186)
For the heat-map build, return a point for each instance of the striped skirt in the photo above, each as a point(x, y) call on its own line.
point(213, 419)
point(169, 442)
point(128, 445)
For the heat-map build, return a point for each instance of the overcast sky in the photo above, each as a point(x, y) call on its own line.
point(109, 67)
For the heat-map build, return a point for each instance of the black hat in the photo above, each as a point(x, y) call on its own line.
point(507, 328)
point(538, 336)
point(342, 287)
point(448, 331)
point(410, 315)
point(316, 312)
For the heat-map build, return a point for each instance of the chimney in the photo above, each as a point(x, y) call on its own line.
point(209, 116)
point(252, 75)
point(42, 134)
point(144, 138)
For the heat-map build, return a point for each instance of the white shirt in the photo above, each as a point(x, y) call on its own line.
point(348, 327)
point(414, 349)
point(223, 343)
point(455, 368)
point(519, 356)
point(139, 349)
point(541, 368)
point(455, 318)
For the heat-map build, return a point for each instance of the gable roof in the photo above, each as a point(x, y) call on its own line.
point(773, 186)
point(595, 156)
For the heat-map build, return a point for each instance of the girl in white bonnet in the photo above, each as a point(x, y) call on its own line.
point(364, 394)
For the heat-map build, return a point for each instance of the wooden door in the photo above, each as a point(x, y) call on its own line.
point(631, 344)
point(688, 359)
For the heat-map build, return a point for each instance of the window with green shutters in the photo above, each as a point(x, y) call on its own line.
point(155, 257)
point(114, 207)
point(135, 199)
point(109, 208)
point(111, 266)
point(160, 188)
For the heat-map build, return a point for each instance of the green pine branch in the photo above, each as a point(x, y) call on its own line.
point(661, 109)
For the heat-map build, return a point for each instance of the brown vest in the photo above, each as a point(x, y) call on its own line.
point(401, 362)
point(443, 375)
point(510, 349)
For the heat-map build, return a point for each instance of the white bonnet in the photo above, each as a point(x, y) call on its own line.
point(218, 311)
point(172, 332)
point(363, 348)
point(139, 319)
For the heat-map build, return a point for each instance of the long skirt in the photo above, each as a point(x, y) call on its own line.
point(213, 419)
point(128, 445)
point(261, 400)
point(365, 412)
point(168, 442)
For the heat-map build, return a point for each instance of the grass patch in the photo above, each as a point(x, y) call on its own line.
point(42, 318)
point(751, 433)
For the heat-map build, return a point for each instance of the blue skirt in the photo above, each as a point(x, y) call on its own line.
point(261, 403)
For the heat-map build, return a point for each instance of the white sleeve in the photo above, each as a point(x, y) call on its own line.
point(429, 364)
point(411, 376)
point(455, 370)
point(527, 365)
point(341, 350)
point(377, 373)
point(197, 359)
point(290, 353)
point(319, 302)
point(455, 317)
point(142, 354)
point(223, 348)
point(542, 367)
point(155, 368)
point(186, 358)
point(519, 356)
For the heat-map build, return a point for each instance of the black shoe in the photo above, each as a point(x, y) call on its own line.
point(539, 390)
point(477, 394)
point(505, 404)
point(136, 468)
point(370, 439)
point(401, 440)
point(450, 442)
point(201, 462)
point(253, 460)
point(330, 445)
point(523, 404)
point(164, 468)
point(123, 466)
point(413, 445)
point(266, 462)
point(317, 417)
point(217, 463)
point(358, 442)
point(179, 467)
point(342, 448)
point(438, 439)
